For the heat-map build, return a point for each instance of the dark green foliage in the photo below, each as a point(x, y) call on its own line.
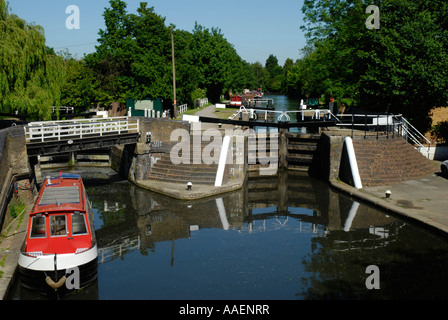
point(134, 59)
point(440, 131)
point(399, 68)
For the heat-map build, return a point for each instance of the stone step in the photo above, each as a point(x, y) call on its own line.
point(184, 180)
point(296, 160)
point(183, 170)
point(183, 174)
point(191, 164)
point(298, 167)
point(301, 147)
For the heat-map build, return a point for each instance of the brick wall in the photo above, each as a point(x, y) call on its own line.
point(387, 161)
point(380, 161)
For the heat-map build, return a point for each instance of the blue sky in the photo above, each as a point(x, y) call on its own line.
point(256, 28)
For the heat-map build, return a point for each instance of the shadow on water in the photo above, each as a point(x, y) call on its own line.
point(284, 237)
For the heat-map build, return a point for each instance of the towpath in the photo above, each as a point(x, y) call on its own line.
point(12, 237)
point(424, 200)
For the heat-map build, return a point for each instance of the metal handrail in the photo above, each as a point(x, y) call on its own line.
point(316, 113)
point(416, 136)
point(399, 124)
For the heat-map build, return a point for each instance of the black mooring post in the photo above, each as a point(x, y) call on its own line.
point(353, 123)
point(387, 125)
point(55, 268)
point(377, 124)
point(365, 126)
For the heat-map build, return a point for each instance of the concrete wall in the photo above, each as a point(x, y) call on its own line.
point(135, 161)
point(327, 160)
point(13, 162)
point(160, 129)
point(438, 152)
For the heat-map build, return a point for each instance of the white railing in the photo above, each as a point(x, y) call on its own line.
point(314, 114)
point(201, 102)
point(79, 129)
point(63, 109)
point(409, 132)
point(124, 245)
point(183, 108)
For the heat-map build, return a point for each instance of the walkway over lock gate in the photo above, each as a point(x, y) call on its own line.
point(53, 137)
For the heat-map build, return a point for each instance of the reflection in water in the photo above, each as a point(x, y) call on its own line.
point(288, 237)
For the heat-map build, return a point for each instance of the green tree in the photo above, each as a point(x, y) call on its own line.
point(400, 68)
point(30, 78)
point(187, 73)
point(276, 74)
point(216, 60)
point(112, 59)
point(78, 89)
point(293, 81)
point(134, 59)
point(260, 74)
point(151, 55)
point(406, 62)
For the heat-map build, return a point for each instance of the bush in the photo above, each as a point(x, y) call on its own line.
point(440, 131)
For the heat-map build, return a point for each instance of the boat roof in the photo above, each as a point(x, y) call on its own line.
point(52, 195)
point(62, 193)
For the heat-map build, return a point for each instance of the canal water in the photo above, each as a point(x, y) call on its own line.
point(282, 103)
point(288, 237)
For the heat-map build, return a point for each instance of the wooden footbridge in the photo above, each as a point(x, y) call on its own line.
point(55, 137)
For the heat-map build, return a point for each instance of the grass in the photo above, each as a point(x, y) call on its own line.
point(16, 207)
point(225, 113)
point(16, 210)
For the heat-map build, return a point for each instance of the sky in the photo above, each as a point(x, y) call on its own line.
point(256, 28)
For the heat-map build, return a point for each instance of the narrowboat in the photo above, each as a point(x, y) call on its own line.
point(60, 244)
point(236, 101)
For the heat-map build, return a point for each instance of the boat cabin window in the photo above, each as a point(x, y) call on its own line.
point(78, 224)
point(38, 229)
point(58, 225)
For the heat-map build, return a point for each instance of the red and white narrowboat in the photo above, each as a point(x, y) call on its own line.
point(60, 237)
point(236, 101)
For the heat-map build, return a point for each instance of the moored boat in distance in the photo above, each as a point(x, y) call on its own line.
point(60, 251)
point(236, 101)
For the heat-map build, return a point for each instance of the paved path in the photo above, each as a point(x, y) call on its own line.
point(13, 236)
point(210, 113)
point(207, 112)
point(424, 199)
